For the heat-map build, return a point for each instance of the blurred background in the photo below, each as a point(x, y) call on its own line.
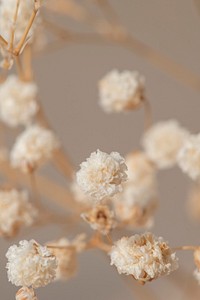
point(67, 79)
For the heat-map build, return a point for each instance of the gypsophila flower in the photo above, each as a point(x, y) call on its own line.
point(102, 174)
point(15, 211)
point(121, 91)
point(100, 218)
point(66, 255)
point(32, 147)
point(79, 196)
point(163, 141)
point(189, 157)
point(7, 12)
point(17, 101)
point(30, 264)
point(145, 257)
point(136, 204)
point(25, 294)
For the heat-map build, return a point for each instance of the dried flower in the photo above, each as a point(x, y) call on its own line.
point(7, 12)
point(189, 157)
point(196, 274)
point(100, 218)
point(25, 294)
point(17, 101)
point(15, 211)
point(137, 202)
point(35, 145)
point(121, 91)
point(66, 255)
point(30, 264)
point(163, 141)
point(145, 257)
point(102, 175)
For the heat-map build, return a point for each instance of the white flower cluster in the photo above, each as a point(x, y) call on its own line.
point(145, 257)
point(33, 146)
point(102, 175)
point(189, 157)
point(26, 294)
point(30, 264)
point(137, 202)
point(163, 141)
point(15, 211)
point(121, 91)
point(17, 101)
point(7, 12)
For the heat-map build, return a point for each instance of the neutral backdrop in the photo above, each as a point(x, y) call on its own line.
point(68, 86)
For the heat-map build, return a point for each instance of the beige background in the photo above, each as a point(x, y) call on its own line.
point(68, 84)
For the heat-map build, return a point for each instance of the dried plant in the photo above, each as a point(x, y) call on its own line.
point(111, 194)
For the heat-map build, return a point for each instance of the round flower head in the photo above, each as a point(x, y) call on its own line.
point(189, 157)
point(30, 265)
point(163, 141)
point(137, 202)
point(7, 13)
point(145, 257)
point(121, 91)
point(17, 101)
point(25, 294)
point(15, 211)
point(100, 218)
point(35, 145)
point(66, 255)
point(102, 175)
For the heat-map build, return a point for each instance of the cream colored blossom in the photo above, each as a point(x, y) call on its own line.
point(121, 91)
point(163, 141)
point(100, 218)
point(26, 294)
point(32, 147)
point(17, 101)
point(66, 255)
point(196, 274)
point(15, 211)
point(102, 174)
point(7, 12)
point(79, 195)
point(30, 264)
point(145, 257)
point(189, 157)
point(136, 204)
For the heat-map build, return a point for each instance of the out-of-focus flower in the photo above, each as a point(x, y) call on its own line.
point(145, 257)
point(189, 157)
point(197, 263)
point(100, 218)
point(32, 147)
point(66, 255)
point(137, 202)
point(30, 264)
point(17, 101)
point(15, 211)
point(121, 91)
point(163, 141)
point(26, 293)
point(102, 175)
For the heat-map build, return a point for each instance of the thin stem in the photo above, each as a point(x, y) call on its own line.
point(19, 67)
point(108, 11)
point(12, 34)
point(148, 119)
point(186, 248)
point(3, 42)
point(17, 50)
point(27, 60)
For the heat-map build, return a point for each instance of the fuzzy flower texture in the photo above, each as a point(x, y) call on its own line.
point(145, 257)
point(121, 91)
point(34, 146)
point(15, 211)
point(102, 175)
point(17, 101)
point(30, 264)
